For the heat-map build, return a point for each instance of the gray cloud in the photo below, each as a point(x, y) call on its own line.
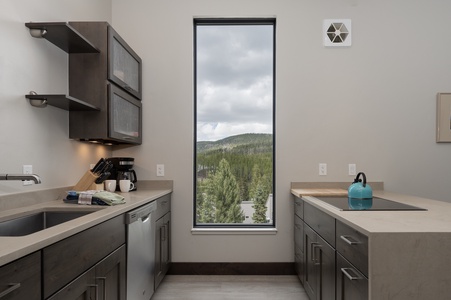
point(234, 79)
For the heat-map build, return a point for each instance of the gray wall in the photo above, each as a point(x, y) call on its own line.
point(372, 104)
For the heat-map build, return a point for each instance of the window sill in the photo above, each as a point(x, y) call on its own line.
point(234, 231)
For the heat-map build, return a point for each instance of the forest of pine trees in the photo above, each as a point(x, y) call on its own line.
point(232, 170)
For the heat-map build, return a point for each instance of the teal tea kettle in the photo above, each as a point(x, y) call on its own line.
point(360, 195)
point(359, 190)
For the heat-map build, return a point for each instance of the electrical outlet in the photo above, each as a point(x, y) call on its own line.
point(27, 169)
point(160, 170)
point(322, 169)
point(352, 169)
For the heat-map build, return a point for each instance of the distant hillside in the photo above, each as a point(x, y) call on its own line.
point(243, 152)
point(248, 143)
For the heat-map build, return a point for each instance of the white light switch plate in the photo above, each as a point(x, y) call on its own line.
point(160, 170)
point(27, 169)
point(322, 169)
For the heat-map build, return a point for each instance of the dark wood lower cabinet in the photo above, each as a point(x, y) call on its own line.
point(162, 247)
point(299, 247)
point(104, 281)
point(21, 279)
point(82, 288)
point(110, 276)
point(351, 284)
point(319, 278)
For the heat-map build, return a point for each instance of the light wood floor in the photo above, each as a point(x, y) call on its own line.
point(228, 287)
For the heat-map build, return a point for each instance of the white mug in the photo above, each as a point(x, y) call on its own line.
point(125, 185)
point(110, 185)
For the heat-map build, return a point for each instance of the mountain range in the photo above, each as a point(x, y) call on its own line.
point(248, 142)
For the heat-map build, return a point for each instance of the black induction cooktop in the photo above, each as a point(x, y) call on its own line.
point(373, 204)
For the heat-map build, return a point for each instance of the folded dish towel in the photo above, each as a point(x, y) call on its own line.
point(94, 198)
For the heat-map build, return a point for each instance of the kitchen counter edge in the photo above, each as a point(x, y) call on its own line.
point(12, 248)
point(437, 217)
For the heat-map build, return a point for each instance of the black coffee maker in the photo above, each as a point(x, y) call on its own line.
point(123, 169)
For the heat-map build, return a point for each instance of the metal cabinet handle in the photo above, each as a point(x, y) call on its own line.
point(312, 252)
point(314, 258)
point(346, 272)
point(348, 240)
point(163, 233)
point(104, 286)
point(12, 287)
point(96, 286)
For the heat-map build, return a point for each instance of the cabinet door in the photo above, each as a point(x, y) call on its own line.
point(351, 284)
point(299, 247)
point(325, 261)
point(158, 261)
point(319, 278)
point(21, 279)
point(82, 288)
point(166, 243)
point(125, 116)
point(110, 276)
point(124, 65)
point(162, 248)
point(311, 271)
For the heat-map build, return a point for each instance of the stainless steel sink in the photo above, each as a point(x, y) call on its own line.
point(35, 222)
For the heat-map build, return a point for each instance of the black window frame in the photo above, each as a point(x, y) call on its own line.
point(226, 22)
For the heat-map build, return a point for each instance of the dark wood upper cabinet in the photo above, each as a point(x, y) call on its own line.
point(105, 84)
point(124, 65)
point(110, 80)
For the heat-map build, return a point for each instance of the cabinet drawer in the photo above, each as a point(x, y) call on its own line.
point(163, 206)
point(21, 279)
point(351, 284)
point(69, 258)
point(353, 245)
point(321, 222)
point(299, 207)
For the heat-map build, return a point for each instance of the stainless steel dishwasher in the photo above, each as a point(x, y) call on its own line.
point(141, 252)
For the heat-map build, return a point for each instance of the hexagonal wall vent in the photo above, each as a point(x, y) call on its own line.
point(337, 32)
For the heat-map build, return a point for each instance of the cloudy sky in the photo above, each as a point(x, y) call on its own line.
point(234, 80)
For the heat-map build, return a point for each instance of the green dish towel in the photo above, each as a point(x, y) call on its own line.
point(110, 198)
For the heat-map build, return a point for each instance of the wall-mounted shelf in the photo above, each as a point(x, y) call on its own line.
point(64, 102)
point(64, 36)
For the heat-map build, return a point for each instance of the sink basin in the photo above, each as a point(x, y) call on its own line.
point(38, 221)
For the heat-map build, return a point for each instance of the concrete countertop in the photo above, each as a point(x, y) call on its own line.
point(437, 218)
point(12, 248)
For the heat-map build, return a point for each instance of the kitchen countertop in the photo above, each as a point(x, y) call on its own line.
point(12, 248)
point(437, 218)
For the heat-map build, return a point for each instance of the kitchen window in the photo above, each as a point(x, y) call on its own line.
point(234, 146)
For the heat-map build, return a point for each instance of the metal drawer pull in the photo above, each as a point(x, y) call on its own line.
point(348, 238)
point(12, 287)
point(346, 272)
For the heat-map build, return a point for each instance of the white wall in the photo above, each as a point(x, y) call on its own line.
point(372, 104)
point(33, 135)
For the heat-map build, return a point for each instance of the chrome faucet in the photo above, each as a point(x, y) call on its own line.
point(22, 177)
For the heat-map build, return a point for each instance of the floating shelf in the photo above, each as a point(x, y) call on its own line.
point(64, 102)
point(64, 36)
